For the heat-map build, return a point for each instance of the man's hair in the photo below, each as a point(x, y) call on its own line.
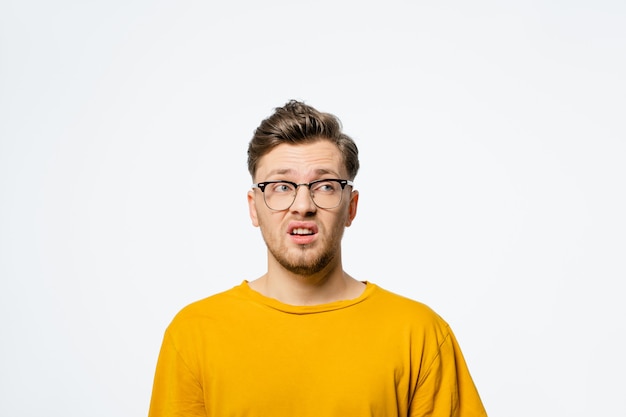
point(298, 123)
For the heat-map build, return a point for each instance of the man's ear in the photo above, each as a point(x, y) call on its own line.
point(252, 208)
point(354, 202)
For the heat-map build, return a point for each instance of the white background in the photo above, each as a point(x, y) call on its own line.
point(493, 147)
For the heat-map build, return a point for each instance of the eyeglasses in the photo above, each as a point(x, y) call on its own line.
point(280, 195)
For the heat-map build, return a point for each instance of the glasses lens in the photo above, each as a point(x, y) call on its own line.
point(326, 194)
point(279, 195)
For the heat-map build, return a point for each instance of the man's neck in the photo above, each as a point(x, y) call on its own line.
point(321, 288)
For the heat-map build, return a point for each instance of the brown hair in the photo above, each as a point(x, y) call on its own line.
point(296, 123)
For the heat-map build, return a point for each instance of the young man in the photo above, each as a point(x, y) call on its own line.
point(306, 339)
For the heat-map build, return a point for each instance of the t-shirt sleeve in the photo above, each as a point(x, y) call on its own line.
point(176, 391)
point(445, 388)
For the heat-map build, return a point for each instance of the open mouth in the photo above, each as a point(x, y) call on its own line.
point(301, 232)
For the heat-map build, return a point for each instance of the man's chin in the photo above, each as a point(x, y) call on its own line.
point(305, 267)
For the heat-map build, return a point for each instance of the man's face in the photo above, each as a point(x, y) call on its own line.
point(303, 239)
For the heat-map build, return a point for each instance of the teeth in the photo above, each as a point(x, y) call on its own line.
point(301, 231)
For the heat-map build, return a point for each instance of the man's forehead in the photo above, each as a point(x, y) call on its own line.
point(315, 171)
point(317, 158)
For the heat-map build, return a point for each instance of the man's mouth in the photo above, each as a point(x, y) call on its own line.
point(301, 232)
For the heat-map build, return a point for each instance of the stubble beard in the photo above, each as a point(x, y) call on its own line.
point(303, 266)
point(304, 262)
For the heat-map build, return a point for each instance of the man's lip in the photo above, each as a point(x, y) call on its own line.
point(302, 225)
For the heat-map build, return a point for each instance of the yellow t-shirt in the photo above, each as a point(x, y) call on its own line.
point(239, 353)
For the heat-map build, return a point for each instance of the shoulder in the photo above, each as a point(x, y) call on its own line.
point(407, 312)
point(401, 303)
point(207, 309)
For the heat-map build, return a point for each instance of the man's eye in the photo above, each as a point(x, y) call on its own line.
point(326, 187)
point(282, 188)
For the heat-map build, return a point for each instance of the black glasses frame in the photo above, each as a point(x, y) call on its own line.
point(261, 186)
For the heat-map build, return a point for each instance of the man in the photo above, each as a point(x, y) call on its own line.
point(306, 339)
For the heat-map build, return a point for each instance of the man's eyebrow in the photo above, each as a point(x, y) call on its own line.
point(279, 172)
point(323, 171)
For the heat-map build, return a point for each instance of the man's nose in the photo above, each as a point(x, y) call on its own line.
point(303, 201)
